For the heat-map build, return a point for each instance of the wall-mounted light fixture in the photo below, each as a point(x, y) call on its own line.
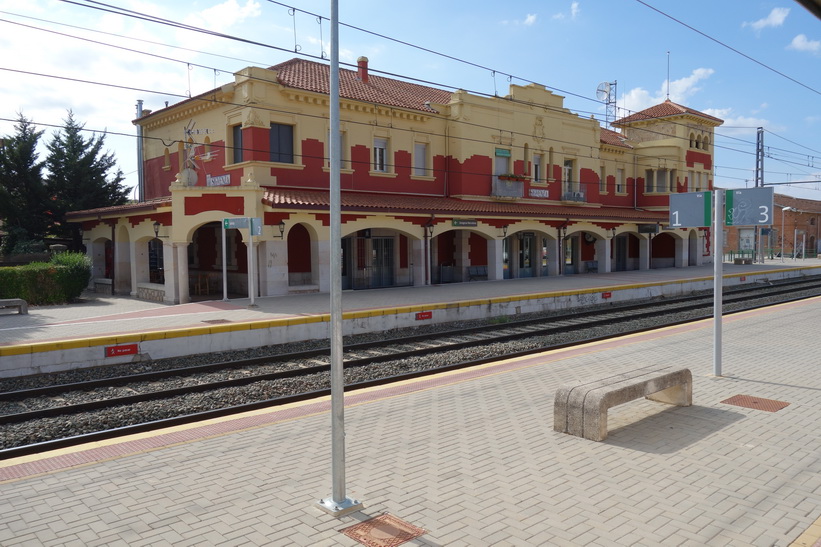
point(156, 229)
point(504, 230)
point(429, 229)
point(613, 230)
point(281, 229)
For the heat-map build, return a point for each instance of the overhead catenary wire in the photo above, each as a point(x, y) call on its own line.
point(106, 7)
point(114, 9)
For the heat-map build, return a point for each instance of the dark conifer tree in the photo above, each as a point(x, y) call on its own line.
point(81, 175)
point(24, 203)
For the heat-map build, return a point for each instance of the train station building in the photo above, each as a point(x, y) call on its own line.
point(437, 187)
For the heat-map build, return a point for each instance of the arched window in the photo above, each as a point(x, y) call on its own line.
point(692, 140)
point(705, 144)
point(698, 142)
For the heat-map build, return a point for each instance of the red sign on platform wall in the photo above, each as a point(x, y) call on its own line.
point(606, 294)
point(424, 315)
point(125, 349)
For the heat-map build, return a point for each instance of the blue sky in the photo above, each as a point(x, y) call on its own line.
point(752, 63)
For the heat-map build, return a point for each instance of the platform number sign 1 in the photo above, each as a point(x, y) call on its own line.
point(691, 210)
point(749, 207)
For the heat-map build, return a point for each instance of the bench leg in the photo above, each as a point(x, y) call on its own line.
point(595, 415)
point(681, 395)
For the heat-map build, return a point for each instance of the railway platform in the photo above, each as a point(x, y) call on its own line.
point(104, 330)
point(470, 458)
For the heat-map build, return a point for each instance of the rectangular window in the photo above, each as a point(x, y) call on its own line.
point(236, 136)
point(501, 165)
point(380, 155)
point(282, 143)
point(568, 183)
point(649, 181)
point(661, 180)
point(672, 180)
point(620, 181)
point(603, 181)
point(420, 159)
point(690, 182)
point(342, 160)
point(537, 167)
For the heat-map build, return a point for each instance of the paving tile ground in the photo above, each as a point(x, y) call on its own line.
point(472, 458)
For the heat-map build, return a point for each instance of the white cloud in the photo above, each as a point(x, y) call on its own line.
point(774, 19)
point(738, 125)
point(528, 21)
point(802, 43)
point(680, 91)
point(575, 9)
point(224, 16)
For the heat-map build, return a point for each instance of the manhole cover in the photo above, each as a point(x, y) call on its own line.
point(748, 401)
point(383, 531)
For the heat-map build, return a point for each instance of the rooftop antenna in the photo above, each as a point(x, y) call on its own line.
point(668, 75)
point(606, 92)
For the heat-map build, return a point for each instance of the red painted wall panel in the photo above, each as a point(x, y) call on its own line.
point(299, 250)
point(214, 202)
point(478, 250)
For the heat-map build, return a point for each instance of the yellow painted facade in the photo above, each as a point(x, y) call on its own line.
point(437, 187)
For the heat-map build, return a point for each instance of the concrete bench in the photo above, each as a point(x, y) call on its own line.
point(21, 305)
point(477, 272)
point(580, 408)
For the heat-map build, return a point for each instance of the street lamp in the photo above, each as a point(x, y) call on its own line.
point(784, 210)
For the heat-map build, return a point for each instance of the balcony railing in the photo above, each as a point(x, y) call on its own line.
point(507, 188)
point(573, 196)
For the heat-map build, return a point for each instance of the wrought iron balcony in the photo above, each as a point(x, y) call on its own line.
point(573, 196)
point(507, 188)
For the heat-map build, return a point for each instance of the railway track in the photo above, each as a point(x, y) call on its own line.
point(53, 410)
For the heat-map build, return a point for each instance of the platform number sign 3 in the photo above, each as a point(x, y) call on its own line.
point(749, 207)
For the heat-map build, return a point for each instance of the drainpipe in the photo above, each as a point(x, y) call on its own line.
point(140, 171)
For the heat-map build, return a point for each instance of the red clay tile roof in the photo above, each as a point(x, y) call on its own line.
point(665, 110)
point(312, 76)
point(612, 138)
point(284, 198)
point(149, 205)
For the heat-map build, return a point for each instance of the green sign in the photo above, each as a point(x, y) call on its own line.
point(230, 223)
point(463, 222)
point(503, 152)
point(243, 222)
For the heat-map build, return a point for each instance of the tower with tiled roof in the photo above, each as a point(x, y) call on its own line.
point(674, 146)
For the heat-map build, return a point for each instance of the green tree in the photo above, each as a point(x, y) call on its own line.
point(80, 175)
point(24, 207)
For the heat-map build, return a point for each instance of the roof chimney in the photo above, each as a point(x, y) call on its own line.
point(362, 71)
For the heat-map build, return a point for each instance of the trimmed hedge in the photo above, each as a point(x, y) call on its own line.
point(58, 281)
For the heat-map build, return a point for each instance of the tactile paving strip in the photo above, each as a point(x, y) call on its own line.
point(748, 401)
point(383, 531)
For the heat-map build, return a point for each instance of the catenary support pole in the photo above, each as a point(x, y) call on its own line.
point(718, 277)
point(338, 504)
point(224, 266)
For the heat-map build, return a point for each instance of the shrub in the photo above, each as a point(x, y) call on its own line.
point(78, 273)
point(60, 280)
